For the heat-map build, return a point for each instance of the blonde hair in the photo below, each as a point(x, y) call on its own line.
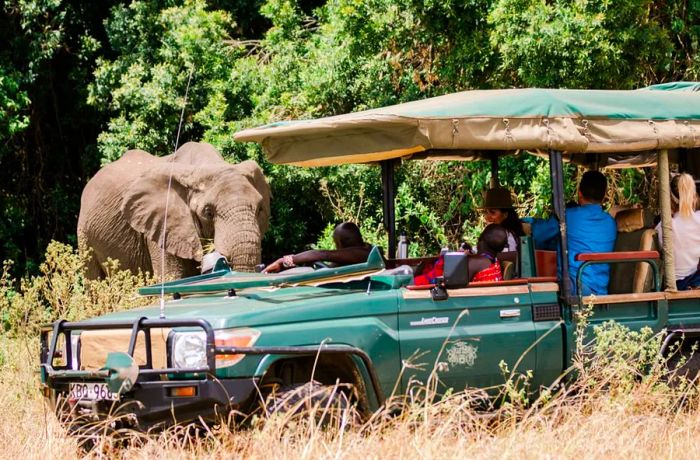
point(687, 195)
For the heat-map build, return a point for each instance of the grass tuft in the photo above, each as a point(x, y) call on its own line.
point(617, 403)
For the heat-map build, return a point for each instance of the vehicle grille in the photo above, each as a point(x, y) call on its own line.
point(97, 344)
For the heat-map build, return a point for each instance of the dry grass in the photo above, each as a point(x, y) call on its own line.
point(618, 407)
point(643, 422)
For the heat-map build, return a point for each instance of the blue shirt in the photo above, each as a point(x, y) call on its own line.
point(588, 229)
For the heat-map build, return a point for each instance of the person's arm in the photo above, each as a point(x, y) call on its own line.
point(345, 256)
point(293, 260)
point(544, 231)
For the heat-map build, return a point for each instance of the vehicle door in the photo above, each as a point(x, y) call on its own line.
point(464, 338)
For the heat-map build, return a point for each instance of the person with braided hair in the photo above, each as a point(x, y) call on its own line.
point(686, 232)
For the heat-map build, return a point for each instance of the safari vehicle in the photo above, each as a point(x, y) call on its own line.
point(227, 340)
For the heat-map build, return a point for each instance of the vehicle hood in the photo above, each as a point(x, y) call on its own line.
point(260, 307)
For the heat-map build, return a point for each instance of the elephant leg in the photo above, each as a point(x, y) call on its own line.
point(93, 267)
point(175, 267)
point(94, 270)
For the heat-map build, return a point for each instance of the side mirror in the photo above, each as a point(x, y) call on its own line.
point(213, 262)
point(438, 292)
point(456, 270)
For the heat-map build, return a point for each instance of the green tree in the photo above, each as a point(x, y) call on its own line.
point(46, 130)
point(579, 43)
point(82, 82)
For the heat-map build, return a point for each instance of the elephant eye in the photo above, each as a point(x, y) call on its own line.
point(208, 211)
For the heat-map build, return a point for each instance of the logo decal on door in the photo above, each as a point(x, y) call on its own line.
point(461, 353)
point(434, 321)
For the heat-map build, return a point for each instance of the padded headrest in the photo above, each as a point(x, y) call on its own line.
point(631, 220)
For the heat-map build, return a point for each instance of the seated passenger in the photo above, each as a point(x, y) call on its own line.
point(483, 266)
point(350, 249)
point(686, 232)
point(498, 209)
point(589, 229)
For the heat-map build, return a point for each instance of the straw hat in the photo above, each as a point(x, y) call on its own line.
point(497, 198)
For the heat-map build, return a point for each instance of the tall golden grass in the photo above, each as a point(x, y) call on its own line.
point(618, 406)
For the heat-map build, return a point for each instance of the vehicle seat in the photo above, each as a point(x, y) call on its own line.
point(508, 269)
point(634, 233)
point(546, 262)
point(512, 259)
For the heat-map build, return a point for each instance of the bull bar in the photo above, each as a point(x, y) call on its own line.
point(65, 328)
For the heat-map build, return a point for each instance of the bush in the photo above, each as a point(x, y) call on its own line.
point(63, 291)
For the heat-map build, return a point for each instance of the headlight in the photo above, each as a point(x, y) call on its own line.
point(189, 348)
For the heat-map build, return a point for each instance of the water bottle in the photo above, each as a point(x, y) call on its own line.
point(402, 250)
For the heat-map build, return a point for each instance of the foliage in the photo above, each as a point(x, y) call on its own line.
point(623, 356)
point(579, 44)
point(82, 82)
point(62, 291)
point(47, 132)
point(144, 87)
point(618, 390)
point(13, 103)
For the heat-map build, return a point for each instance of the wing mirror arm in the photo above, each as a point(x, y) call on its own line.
point(439, 291)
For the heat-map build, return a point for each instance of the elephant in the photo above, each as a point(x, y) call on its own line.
point(123, 212)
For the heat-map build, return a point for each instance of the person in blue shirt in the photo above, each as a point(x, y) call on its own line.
point(589, 229)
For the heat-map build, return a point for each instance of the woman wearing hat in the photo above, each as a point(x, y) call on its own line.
point(498, 209)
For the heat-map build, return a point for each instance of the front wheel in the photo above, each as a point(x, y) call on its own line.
point(328, 405)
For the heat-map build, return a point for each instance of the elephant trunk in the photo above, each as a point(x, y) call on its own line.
point(240, 241)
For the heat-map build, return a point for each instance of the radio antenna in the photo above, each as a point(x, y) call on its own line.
point(167, 201)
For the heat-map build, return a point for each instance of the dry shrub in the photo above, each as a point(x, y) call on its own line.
point(613, 403)
point(63, 291)
point(618, 405)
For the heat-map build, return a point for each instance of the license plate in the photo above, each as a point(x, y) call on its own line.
point(92, 392)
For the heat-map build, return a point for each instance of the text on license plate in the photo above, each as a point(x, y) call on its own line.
point(92, 391)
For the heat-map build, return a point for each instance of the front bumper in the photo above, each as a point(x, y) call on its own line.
point(150, 400)
point(151, 404)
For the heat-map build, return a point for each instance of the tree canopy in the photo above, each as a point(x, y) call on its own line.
point(82, 82)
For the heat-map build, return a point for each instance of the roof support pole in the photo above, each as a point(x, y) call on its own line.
point(389, 193)
point(556, 169)
point(494, 171)
point(664, 176)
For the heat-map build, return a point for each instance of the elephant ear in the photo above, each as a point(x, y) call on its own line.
point(196, 154)
point(255, 176)
point(143, 206)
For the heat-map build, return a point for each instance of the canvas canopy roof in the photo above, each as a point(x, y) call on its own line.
point(675, 86)
point(468, 124)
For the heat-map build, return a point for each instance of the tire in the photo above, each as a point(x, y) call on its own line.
point(684, 365)
point(97, 437)
point(327, 405)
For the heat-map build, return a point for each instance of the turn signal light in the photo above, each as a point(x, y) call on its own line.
point(183, 392)
point(241, 338)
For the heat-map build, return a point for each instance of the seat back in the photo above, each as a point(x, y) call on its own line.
point(546, 262)
point(634, 233)
point(513, 258)
point(508, 269)
point(643, 277)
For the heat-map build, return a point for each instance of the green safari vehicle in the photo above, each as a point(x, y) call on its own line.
point(226, 340)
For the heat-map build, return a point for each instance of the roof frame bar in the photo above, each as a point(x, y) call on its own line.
point(389, 193)
point(556, 168)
